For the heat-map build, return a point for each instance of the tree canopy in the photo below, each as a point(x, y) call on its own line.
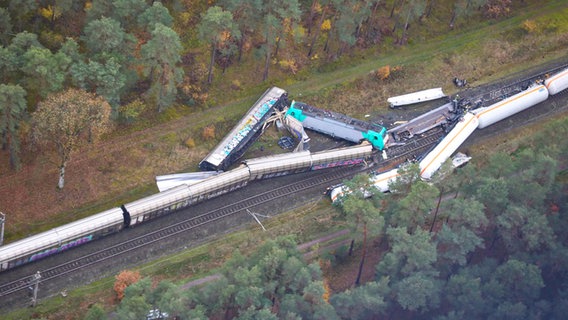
point(68, 120)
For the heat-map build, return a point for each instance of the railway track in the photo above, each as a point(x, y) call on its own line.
point(325, 178)
point(184, 226)
point(414, 146)
point(493, 96)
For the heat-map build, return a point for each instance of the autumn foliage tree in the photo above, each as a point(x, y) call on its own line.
point(68, 120)
point(216, 28)
point(123, 280)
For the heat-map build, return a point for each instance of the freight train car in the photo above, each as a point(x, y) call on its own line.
point(235, 144)
point(475, 119)
point(182, 196)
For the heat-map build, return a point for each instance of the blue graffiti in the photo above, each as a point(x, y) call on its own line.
point(64, 247)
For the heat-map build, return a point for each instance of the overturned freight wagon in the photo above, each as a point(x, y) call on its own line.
point(245, 133)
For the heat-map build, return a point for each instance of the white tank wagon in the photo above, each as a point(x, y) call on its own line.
point(60, 239)
point(557, 83)
point(451, 142)
point(416, 97)
point(510, 106)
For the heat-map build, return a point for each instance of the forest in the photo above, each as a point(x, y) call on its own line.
point(485, 242)
point(141, 57)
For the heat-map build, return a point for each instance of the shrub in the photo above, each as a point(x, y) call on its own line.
point(123, 280)
point(190, 143)
point(131, 111)
point(387, 72)
point(529, 26)
point(236, 84)
point(497, 8)
point(208, 132)
point(288, 65)
point(383, 73)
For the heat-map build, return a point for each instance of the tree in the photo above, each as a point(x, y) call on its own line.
point(413, 10)
point(217, 28)
point(70, 48)
point(419, 291)
point(456, 243)
point(24, 41)
point(99, 9)
point(55, 9)
point(499, 165)
point(45, 72)
point(261, 314)
point(462, 232)
point(245, 14)
point(9, 62)
point(364, 302)
point(493, 193)
point(139, 297)
point(96, 312)
point(277, 16)
point(273, 278)
point(319, 26)
point(532, 179)
point(68, 120)
point(348, 19)
point(360, 212)
point(12, 113)
point(135, 304)
point(126, 11)
point(410, 253)
point(412, 210)
point(160, 56)
point(464, 8)
point(516, 281)
point(157, 13)
point(123, 280)
point(22, 12)
point(524, 229)
point(464, 292)
point(5, 27)
point(409, 173)
point(12, 59)
point(107, 36)
point(106, 79)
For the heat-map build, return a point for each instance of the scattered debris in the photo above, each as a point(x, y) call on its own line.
point(460, 82)
point(286, 142)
